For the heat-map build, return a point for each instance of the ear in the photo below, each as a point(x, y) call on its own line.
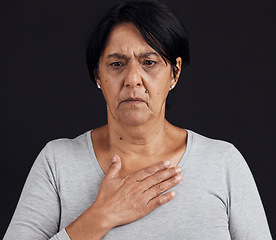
point(177, 70)
point(98, 81)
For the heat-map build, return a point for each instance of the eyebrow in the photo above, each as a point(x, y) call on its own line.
point(141, 55)
point(117, 55)
point(147, 54)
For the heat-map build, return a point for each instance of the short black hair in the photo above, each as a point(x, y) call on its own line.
point(160, 28)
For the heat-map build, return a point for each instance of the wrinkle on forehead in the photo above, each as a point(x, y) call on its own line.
point(126, 42)
point(140, 55)
point(126, 39)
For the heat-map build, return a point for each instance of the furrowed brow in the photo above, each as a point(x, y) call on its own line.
point(117, 56)
point(147, 54)
point(123, 56)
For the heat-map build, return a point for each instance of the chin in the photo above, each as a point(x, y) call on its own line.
point(134, 119)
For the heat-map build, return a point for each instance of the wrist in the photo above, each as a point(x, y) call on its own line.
point(100, 218)
point(92, 224)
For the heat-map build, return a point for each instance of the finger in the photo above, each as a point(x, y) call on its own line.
point(146, 172)
point(115, 167)
point(160, 200)
point(159, 177)
point(162, 187)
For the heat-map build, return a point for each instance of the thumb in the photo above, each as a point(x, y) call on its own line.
point(115, 167)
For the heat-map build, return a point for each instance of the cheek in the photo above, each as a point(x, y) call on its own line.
point(108, 84)
point(158, 87)
point(159, 76)
point(111, 92)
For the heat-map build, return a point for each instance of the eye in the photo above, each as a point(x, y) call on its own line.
point(149, 62)
point(116, 64)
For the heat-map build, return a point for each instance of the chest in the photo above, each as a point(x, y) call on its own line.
point(199, 211)
point(195, 213)
point(134, 163)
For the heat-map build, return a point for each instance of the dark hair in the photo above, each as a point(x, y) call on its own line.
point(160, 28)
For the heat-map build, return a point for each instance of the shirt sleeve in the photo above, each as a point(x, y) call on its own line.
point(247, 219)
point(37, 213)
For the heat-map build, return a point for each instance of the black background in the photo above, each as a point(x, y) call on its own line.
point(46, 93)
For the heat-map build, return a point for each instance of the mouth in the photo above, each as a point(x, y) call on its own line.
point(133, 100)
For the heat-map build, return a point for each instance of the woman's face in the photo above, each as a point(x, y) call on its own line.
point(133, 77)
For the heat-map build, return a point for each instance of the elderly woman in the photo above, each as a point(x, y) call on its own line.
point(122, 180)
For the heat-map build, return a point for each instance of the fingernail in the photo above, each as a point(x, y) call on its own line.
point(178, 177)
point(173, 194)
point(167, 163)
point(114, 159)
point(178, 169)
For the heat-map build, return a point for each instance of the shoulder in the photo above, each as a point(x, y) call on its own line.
point(64, 160)
point(217, 151)
point(203, 143)
point(218, 159)
point(67, 145)
point(66, 151)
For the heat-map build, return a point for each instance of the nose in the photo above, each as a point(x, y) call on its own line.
point(132, 76)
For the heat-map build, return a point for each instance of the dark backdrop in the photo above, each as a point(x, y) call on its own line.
point(227, 92)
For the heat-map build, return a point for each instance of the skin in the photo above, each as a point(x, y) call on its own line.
point(138, 149)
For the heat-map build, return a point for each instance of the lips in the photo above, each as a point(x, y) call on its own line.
point(133, 100)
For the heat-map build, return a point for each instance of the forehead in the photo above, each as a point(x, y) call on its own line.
point(126, 39)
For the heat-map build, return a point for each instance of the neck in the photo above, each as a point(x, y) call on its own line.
point(146, 139)
point(138, 146)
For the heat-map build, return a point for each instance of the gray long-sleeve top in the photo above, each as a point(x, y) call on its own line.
point(217, 198)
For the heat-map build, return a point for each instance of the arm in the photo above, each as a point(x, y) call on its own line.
point(38, 210)
point(247, 218)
